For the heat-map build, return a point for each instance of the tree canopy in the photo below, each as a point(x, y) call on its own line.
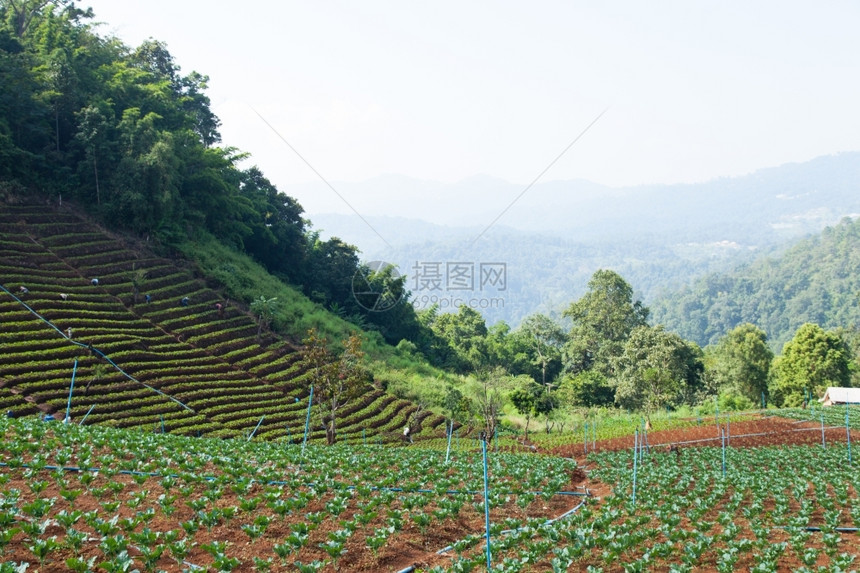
point(602, 320)
point(810, 362)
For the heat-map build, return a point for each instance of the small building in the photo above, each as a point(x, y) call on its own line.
point(835, 395)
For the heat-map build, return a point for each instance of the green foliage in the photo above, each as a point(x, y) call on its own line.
point(524, 400)
point(133, 139)
point(602, 320)
point(740, 362)
point(814, 281)
point(655, 369)
point(587, 389)
point(545, 338)
point(336, 381)
point(810, 362)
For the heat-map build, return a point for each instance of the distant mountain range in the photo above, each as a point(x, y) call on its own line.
point(558, 233)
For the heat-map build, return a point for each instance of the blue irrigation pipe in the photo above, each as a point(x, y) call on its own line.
point(308, 420)
point(258, 427)
point(728, 429)
point(486, 501)
point(71, 389)
point(635, 454)
point(723, 434)
point(87, 414)
point(823, 443)
point(450, 433)
point(848, 433)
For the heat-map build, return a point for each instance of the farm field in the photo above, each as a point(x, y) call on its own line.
point(134, 500)
point(196, 370)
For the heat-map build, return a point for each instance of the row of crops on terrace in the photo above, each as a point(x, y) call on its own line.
point(210, 361)
point(87, 498)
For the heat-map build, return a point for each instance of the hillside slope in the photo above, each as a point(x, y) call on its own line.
point(209, 360)
point(814, 281)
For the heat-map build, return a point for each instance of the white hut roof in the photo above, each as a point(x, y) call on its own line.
point(844, 395)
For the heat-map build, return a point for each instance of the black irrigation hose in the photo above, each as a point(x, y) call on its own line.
point(812, 528)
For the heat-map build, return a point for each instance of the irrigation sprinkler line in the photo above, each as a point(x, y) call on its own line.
point(84, 419)
point(95, 350)
point(744, 436)
point(813, 528)
point(77, 469)
point(823, 443)
point(71, 389)
point(848, 433)
point(635, 447)
point(256, 428)
point(564, 515)
point(450, 433)
point(308, 419)
point(486, 500)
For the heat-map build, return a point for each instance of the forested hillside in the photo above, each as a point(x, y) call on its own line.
point(125, 133)
point(815, 281)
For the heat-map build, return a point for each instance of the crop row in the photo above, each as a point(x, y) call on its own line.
point(162, 343)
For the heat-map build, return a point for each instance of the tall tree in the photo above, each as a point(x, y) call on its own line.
point(489, 400)
point(810, 362)
point(654, 369)
point(92, 135)
point(546, 339)
point(741, 361)
point(337, 380)
point(264, 309)
point(602, 320)
point(525, 400)
point(466, 334)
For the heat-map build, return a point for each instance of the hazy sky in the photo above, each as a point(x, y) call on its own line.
point(446, 90)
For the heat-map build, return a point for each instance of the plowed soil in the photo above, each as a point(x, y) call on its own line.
point(763, 431)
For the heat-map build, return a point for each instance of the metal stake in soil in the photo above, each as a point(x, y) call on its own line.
point(71, 389)
point(823, 443)
point(486, 498)
point(308, 420)
point(635, 456)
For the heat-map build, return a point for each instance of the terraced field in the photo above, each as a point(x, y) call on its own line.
point(192, 370)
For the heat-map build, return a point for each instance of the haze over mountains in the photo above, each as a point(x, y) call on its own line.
point(558, 233)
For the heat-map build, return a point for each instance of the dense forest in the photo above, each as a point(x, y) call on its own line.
point(814, 281)
point(124, 133)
